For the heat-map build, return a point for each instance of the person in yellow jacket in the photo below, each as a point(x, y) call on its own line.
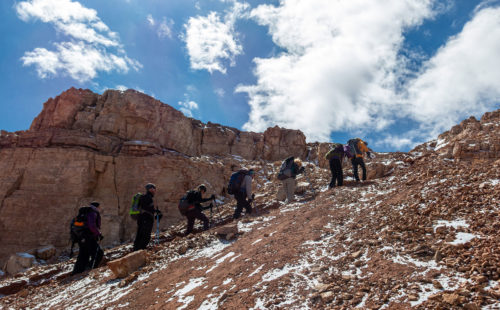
point(360, 147)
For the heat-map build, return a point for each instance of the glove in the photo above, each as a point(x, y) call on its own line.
point(253, 196)
point(212, 197)
point(158, 214)
point(100, 237)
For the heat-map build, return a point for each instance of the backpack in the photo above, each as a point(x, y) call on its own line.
point(78, 227)
point(334, 150)
point(353, 146)
point(347, 151)
point(286, 169)
point(186, 203)
point(134, 209)
point(235, 181)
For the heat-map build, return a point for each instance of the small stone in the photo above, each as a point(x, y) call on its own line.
point(356, 254)
point(327, 296)
point(437, 284)
point(451, 299)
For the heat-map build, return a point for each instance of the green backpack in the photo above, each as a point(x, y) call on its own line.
point(134, 209)
point(332, 151)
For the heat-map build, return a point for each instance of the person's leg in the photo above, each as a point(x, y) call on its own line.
point(338, 172)
point(289, 188)
point(363, 167)
point(240, 200)
point(95, 253)
point(332, 170)
point(355, 168)
point(139, 234)
point(82, 259)
point(148, 228)
point(190, 222)
point(203, 218)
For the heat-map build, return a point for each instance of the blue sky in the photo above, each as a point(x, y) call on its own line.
point(395, 72)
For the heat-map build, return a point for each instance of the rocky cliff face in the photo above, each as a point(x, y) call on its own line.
point(84, 146)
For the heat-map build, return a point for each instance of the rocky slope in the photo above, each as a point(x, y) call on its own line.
point(84, 146)
point(423, 236)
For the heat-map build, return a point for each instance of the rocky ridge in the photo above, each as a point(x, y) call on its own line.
point(424, 235)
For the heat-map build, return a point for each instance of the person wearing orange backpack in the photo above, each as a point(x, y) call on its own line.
point(358, 147)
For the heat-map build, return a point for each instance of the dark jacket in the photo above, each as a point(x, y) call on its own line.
point(195, 198)
point(338, 153)
point(146, 204)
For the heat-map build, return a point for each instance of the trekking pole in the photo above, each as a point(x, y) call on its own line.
point(157, 234)
point(96, 252)
point(217, 210)
point(310, 183)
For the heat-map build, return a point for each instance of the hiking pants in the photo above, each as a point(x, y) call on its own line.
point(89, 251)
point(144, 227)
point(241, 202)
point(355, 162)
point(289, 187)
point(336, 169)
point(192, 216)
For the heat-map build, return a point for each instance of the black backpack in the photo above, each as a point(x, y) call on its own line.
point(186, 202)
point(235, 181)
point(353, 146)
point(286, 169)
point(78, 227)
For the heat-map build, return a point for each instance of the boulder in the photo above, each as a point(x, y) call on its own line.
point(46, 252)
point(124, 266)
point(227, 230)
point(19, 262)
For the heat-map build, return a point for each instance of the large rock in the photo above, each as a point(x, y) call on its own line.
point(19, 262)
point(124, 266)
point(46, 252)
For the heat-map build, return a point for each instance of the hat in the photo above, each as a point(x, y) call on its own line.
point(202, 187)
point(95, 204)
point(149, 186)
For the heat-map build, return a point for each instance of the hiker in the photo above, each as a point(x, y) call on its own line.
point(195, 198)
point(90, 253)
point(244, 195)
point(335, 157)
point(145, 220)
point(289, 170)
point(359, 147)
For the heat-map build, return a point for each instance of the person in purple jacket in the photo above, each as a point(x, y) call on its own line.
point(90, 253)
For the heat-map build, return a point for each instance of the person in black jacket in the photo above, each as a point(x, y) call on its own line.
point(145, 219)
point(196, 198)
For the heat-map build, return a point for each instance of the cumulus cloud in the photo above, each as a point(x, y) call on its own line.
point(343, 69)
point(463, 78)
point(339, 69)
point(90, 45)
point(187, 107)
point(211, 41)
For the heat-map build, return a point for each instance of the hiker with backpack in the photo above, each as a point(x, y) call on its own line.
point(289, 170)
point(357, 147)
point(145, 218)
point(240, 185)
point(85, 230)
point(190, 206)
point(335, 157)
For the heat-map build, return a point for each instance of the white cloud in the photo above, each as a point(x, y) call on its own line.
point(463, 78)
point(187, 107)
point(151, 20)
point(164, 29)
point(342, 69)
point(90, 40)
point(339, 71)
point(79, 60)
point(220, 92)
point(121, 87)
point(212, 42)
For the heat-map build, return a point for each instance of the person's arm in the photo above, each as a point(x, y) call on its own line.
point(91, 224)
point(248, 186)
